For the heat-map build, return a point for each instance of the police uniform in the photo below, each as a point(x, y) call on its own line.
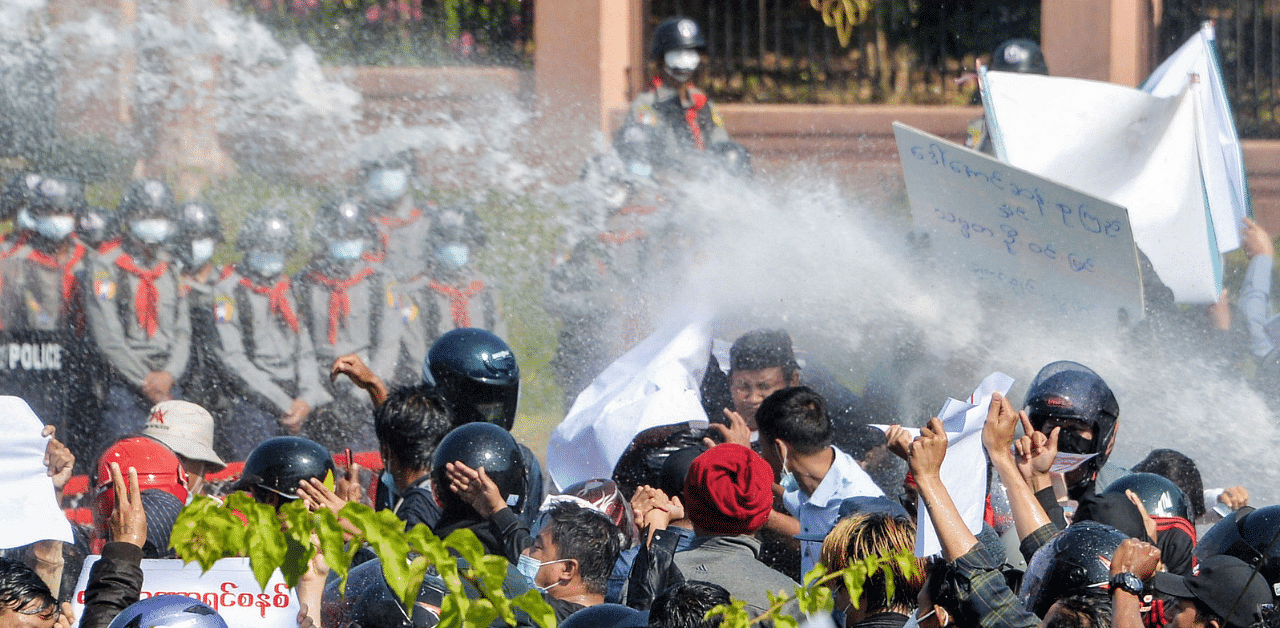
point(402, 237)
point(435, 306)
point(206, 382)
point(351, 314)
point(139, 322)
point(684, 119)
point(268, 354)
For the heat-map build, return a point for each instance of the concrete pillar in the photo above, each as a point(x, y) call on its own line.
point(583, 67)
point(1103, 40)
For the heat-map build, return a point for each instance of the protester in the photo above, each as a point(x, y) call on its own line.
point(25, 600)
point(571, 557)
point(187, 429)
point(409, 425)
point(879, 534)
point(164, 491)
point(685, 605)
point(1225, 591)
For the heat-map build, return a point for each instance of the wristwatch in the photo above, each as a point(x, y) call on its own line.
point(1128, 582)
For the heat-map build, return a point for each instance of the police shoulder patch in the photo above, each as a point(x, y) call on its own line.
point(715, 115)
point(409, 312)
point(224, 308)
point(393, 294)
point(103, 286)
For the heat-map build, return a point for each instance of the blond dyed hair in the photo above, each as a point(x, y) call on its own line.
point(876, 534)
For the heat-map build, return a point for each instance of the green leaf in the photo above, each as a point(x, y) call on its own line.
point(205, 532)
point(265, 541)
point(336, 551)
point(819, 570)
point(532, 603)
point(453, 609)
point(480, 615)
point(785, 621)
point(465, 543)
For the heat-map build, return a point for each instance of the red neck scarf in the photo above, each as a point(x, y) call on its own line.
point(147, 299)
point(279, 299)
point(459, 300)
point(339, 300)
point(698, 101)
point(68, 270)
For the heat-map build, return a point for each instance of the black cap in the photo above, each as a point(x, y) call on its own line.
point(1227, 585)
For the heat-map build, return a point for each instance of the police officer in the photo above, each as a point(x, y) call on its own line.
point(263, 346)
point(136, 312)
point(673, 116)
point(350, 307)
point(454, 294)
point(402, 224)
point(199, 233)
point(17, 195)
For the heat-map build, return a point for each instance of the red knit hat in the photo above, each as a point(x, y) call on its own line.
point(729, 490)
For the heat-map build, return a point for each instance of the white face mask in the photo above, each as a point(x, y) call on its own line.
point(453, 256)
point(681, 63)
point(265, 263)
point(201, 251)
point(55, 227)
point(152, 230)
point(25, 221)
point(346, 250)
point(386, 186)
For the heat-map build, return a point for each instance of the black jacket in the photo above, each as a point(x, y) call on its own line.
point(115, 582)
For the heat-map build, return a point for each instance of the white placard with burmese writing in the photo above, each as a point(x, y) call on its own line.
point(1037, 242)
point(229, 588)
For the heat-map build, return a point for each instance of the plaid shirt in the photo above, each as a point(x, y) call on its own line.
point(981, 587)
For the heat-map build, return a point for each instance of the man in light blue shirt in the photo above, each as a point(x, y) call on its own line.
point(815, 477)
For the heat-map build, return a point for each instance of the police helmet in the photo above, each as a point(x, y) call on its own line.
point(481, 445)
point(97, 225)
point(1159, 495)
point(278, 465)
point(18, 193)
point(367, 601)
point(1019, 55)
point(267, 229)
point(676, 33)
point(168, 611)
point(1250, 535)
point(1076, 561)
point(1071, 391)
point(343, 217)
point(476, 373)
point(197, 220)
point(57, 195)
point(147, 198)
point(385, 181)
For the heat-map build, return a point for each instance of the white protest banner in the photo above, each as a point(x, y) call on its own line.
point(28, 508)
point(1025, 236)
point(1221, 158)
point(229, 588)
point(1134, 149)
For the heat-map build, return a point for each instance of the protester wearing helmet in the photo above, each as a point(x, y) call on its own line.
point(136, 311)
point(453, 293)
point(672, 112)
point(1073, 399)
point(1248, 534)
point(199, 233)
point(403, 225)
point(277, 467)
point(262, 345)
point(1170, 509)
point(485, 446)
point(169, 611)
point(349, 306)
point(163, 484)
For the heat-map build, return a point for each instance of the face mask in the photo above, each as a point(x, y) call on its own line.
point(55, 227)
point(346, 250)
point(201, 251)
point(385, 186)
point(25, 221)
point(529, 567)
point(838, 616)
point(681, 63)
point(453, 256)
point(788, 480)
point(614, 196)
point(265, 263)
point(152, 230)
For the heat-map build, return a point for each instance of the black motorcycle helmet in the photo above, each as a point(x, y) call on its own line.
point(56, 201)
point(676, 33)
point(1071, 391)
point(476, 373)
point(1076, 561)
point(1252, 535)
point(343, 217)
point(147, 198)
point(267, 229)
point(18, 193)
point(1159, 495)
point(367, 601)
point(97, 225)
point(277, 465)
point(1019, 55)
point(481, 445)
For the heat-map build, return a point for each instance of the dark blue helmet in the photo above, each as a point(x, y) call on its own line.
point(1252, 535)
point(476, 373)
point(367, 601)
point(481, 445)
point(1019, 55)
point(676, 33)
point(1159, 495)
point(1068, 390)
point(168, 611)
point(1076, 561)
point(278, 465)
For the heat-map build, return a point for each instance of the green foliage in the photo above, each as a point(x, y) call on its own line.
point(815, 597)
point(288, 540)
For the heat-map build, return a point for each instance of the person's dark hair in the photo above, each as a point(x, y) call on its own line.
point(798, 417)
point(762, 349)
point(1180, 470)
point(410, 423)
point(587, 536)
point(859, 440)
point(686, 604)
point(1081, 611)
point(23, 591)
point(1204, 614)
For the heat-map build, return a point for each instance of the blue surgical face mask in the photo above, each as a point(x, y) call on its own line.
point(346, 250)
point(55, 227)
point(788, 479)
point(152, 230)
point(529, 567)
point(201, 251)
point(386, 186)
point(453, 255)
point(839, 615)
point(265, 263)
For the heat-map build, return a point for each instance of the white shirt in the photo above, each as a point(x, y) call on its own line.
point(817, 513)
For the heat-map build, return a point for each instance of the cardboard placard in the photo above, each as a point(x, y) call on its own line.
point(229, 588)
point(1024, 236)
